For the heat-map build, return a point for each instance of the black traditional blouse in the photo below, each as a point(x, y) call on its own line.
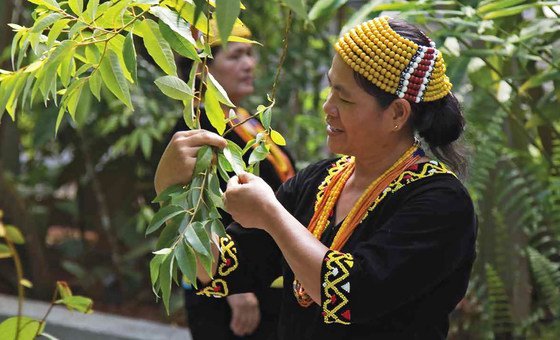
point(401, 273)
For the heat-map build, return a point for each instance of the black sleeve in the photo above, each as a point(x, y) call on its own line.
point(427, 238)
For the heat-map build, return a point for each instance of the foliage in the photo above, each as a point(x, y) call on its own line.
point(94, 48)
point(22, 327)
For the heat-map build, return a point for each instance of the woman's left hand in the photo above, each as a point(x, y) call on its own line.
point(250, 201)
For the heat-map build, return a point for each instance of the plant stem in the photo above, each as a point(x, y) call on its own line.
point(43, 320)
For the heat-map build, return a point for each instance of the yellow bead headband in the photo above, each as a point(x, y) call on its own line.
point(394, 63)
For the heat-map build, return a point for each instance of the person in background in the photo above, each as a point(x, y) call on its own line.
point(377, 243)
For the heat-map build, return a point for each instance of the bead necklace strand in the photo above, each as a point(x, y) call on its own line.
point(325, 206)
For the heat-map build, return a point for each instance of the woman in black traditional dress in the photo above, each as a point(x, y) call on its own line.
point(378, 243)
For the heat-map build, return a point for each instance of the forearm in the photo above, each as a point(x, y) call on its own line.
point(303, 252)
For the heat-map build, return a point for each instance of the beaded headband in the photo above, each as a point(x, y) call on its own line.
point(394, 63)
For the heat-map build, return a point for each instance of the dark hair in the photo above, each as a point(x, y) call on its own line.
point(440, 123)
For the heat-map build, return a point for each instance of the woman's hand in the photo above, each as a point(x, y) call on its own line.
point(245, 313)
point(176, 165)
point(250, 201)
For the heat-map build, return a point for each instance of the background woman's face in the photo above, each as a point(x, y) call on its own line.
point(233, 68)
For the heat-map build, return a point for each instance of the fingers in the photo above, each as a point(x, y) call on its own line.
point(197, 138)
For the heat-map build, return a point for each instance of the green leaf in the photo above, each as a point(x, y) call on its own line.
point(214, 110)
point(176, 31)
point(164, 195)
point(91, 10)
point(113, 77)
point(196, 237)
point(28, 328)
point(14, 234)
point(155, 264)
point(11, 105)
point(227, 12)
point(266, 117)
point(539, 79)
point(50, 4)
point(165, 280)
point(203, 159)
point(277, 137)
point(508, 11)
point(45, 22)
point(5, 251)
point(178, 43)
point(218, 228)
point(77, 6)
point(169, 233)
point(55, 31)
point(362, 14)
point(117, 45)
point(146, 145)
point(186, 259)
point(188, 111)
point(325, 8)
point(163, 215)
point(95, 84)
point(219, 91)
point(78, 303)
point(129, 56)
point(6, 88)
point(66, 68)
point(259, 153)
point(494, 5)
point(114, 14)
point(157, 46)
point(174, 87)
point(233, 154)
point(298, 6)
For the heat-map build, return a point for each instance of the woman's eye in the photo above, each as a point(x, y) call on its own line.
point(345, 101)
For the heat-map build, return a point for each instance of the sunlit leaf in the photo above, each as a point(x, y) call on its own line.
point(129, 56)
point(174, 87)
point(158, 47)
point(28, 328)
point(214, 110)
point(233, 154)
point(77, 6)
point(113, 77)
point(277, 137)
point(165, 280)
point(219, 91)
point(50, 4)
point(227, 12)
point(14, 234)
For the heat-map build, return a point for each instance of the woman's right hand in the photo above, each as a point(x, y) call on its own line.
point(177, 163)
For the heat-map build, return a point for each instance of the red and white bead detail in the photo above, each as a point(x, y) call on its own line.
point(415, 77)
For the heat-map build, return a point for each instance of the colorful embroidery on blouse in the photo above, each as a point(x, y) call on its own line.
point(336, 287)
point(412, 174)
point(227, 263)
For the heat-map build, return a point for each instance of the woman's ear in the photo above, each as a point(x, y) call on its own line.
point(400, 111)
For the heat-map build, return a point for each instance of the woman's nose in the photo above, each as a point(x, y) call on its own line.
point(328, 106)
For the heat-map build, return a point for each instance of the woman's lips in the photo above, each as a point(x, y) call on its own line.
point(333, 130)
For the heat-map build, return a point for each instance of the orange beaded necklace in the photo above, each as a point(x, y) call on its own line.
point(332, 191)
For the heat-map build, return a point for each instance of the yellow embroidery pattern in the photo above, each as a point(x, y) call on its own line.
point(228, 256)
point(217, 289)
point(424, 170)
point(336, 287)
point(228, 263)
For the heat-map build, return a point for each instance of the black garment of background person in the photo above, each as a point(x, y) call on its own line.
point(209, 318)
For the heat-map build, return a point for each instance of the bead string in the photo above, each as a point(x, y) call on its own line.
point(333, 189)
point(394, 63)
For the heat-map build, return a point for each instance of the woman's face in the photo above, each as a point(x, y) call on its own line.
point(233, 68)
point(356, 123)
